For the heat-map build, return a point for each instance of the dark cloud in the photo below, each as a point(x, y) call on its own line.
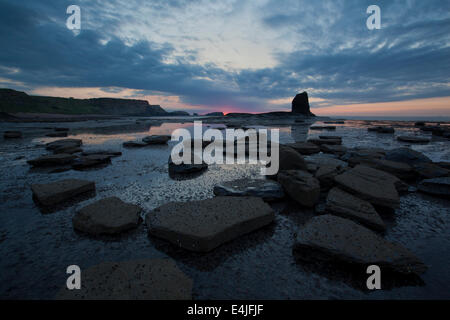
point(337, 59)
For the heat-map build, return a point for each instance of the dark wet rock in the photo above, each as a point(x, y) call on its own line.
point(382, 129)
point(326, 173)
point(206, 224)
point(268, 190)
point(334, 149)
point(59, 191)
point(156, 139)
point(332, 239)
point(322, 128)
point(443, 164)
point(326, 159)
point(419, 124)
point(320, 142)
point(150, 279)
point(301, 186)
point(334, 122)
point(331, 137)
point(304, 148)
point(52, 160)
point(61, 129)
point(58, 145)
point(56, 134)
point(12, 135)
point(90, 161)
point(413, 139)
point(375, 186)
point(107, 216)
point(110, 153)
point(300, 104)
point(187, 168)
point(430, 171)
point(358, 155)
point(68, 149)
point(134, 144)
point(290, 159)
point(344, 204)
point(399, 169)
point(437, 186)
point(406, 155)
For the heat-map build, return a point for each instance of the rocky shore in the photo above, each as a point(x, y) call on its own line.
point(335, 202)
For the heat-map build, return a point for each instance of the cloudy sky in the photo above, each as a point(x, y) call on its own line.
point(234, 55)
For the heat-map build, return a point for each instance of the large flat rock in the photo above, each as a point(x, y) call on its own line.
point(107, 216)
point(204, 225)
point(59, 191)
point(156, 139)
point(375, 186)
point(268, 190)
point(52, 160)
point(407, 155)
point(344, 204)
point(59, 145)
point(437, 186)
point(304, 148)
point(301, 186)
point(151, 279)
point(290, 159)
point(333, 239)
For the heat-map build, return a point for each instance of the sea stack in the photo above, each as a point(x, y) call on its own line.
point(300, 104)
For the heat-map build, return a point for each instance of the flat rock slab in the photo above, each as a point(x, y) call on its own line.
point(110, 153)
point(206, 224)
point(334, 149)
point(398, 169)
point(413, 139)
point(53, 193)
point(90, 161)
point(186, 168)
point(268, 190)
point(304, 148)
point(322, 128)
point(406, 155)
point(64, 143)
point(56, 134)
point(377, 187)
point(344, 204)
point(107, 216)
point(381, 129)
point(134, 144)
point(161, 139)
point(430, 171)
point(290, 159)
point(52, 160)
point(332, 238)
point(12, 134)
point(325, 141)
point(437, 186)
point(151, 279)
point(301, 186)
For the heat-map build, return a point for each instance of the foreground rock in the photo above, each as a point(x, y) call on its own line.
point(437, 186)
point(290, 159)
point(107, 216)
point(343, 204)
point(332, 239)
point(381, 129)
point(321, 141)
point(52, 160)
point(301, 186)
point(406, 155)
point(59, 145)
point(90, 161)
point(369, 184)
point(430, 171)
point(156, 139)
point(304, 148)
point(357, 155)
point(151, 279)
point(206, 224)
point(399, 169)
point(59, 191)
point(413, 139)
point(187, 168)
point(334, 149)
point(12, 135)
point(268, 190)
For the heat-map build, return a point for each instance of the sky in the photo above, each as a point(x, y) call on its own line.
point(234, 55)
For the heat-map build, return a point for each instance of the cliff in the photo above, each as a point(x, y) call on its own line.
point(16, 101)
